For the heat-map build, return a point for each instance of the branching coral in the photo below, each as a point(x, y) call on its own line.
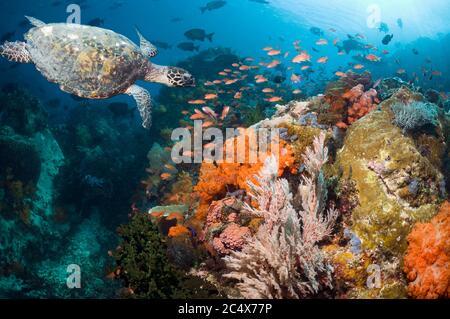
point(283, 259)
point(427, 261)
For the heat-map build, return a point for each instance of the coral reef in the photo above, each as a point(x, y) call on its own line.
point(427, 260)
point(397, 185)
point(283, 259)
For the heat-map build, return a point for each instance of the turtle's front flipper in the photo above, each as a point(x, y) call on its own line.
point(146, 46)
point(15, 52)
point(144, 103)
point(35, 22)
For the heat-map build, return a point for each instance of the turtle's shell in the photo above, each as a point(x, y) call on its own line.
point(86, 61)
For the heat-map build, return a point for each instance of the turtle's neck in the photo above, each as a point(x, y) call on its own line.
point(157, 74)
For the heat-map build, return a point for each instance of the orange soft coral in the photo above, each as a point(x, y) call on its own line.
point(178, 230)
point(427, 261)
point(217, 179)
point(361, 102)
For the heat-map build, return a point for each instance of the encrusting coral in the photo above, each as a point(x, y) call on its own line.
point(427, 260)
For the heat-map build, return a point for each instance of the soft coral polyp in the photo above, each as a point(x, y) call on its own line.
point(427, 261)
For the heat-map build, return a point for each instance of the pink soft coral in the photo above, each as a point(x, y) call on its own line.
point(427, 261)
point(233, 238)
point(362, 102)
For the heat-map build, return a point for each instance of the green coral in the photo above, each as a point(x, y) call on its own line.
point(383, 162)
point(145, 269)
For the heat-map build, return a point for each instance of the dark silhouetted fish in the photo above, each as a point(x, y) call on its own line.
point(387, 39)
point(213, 5)
point(316, 31)
point(97, 22)
point(198, 34)
point(351, 44)
point(188, 46)
point(400, 23)
point(260, 1)
point(383, 27)
point(415, 51)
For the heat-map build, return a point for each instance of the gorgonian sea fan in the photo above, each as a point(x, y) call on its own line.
point(283, 259)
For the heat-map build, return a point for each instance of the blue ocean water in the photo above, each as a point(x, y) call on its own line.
point(73, 170)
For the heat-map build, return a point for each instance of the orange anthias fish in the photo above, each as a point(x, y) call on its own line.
point(197, 116)
point(229, 82)
point(165, 176)
point(261, 80)
point(235, 65)
point(286, 55)
point(225, 112)
point(436, 73)
point(238, 95)
point(358, 66)
point(207, 124)
point(273, 52)
point(373, 57)
point(211, 96)
point(302, 57)
point(305, 67)
point(217, 81)
point(268, 90)
point(295, 78)
point(267, 48)
point(170, 167)
point(323, 59)
point(322, 42)
point(209, 111)
point(244, 67)
point(273, 64)
point(297, 91)
point(223, 73)
point(341, 74)
point(274, 99)
point(197, 102)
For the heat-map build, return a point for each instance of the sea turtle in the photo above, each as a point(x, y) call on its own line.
point(94, 63)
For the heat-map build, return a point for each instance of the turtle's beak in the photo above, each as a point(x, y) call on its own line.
point(189, 80)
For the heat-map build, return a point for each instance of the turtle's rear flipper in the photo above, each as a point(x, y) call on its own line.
point(146, 46)
point(15, 52)
point(144, 103)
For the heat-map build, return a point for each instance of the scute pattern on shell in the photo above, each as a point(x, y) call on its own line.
point(86, 61)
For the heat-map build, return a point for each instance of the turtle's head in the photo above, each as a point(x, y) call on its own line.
point(179, 77)
point(170, 76)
